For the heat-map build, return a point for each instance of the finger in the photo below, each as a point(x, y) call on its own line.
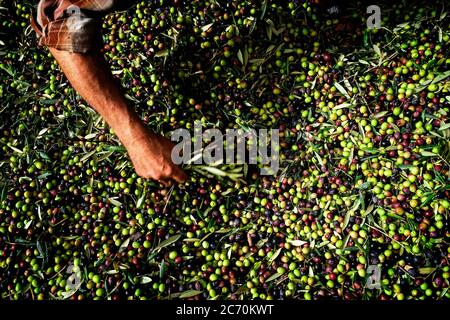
point(179, 175)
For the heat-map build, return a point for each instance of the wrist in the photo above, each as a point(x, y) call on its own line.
point(130, 130)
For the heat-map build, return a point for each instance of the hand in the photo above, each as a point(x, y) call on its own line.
point(151, 155)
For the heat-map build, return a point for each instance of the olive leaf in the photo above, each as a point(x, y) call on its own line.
point(125, 244)
point(444, 126)
point(88, 155)
point(168, 242)
point(273, 277)
point(274, 256)
point(240, 57)
point(350, 213)
point(90, 136)
point(162, 53)
point(343, 105)
point(141, 200)
point(162, 269)
point(297, 243)
point(207, 27)
point(341, 89)
point(115, 202)
point(427, 153)
point(189, 294)
point(427, 270)
point(145, 280)
point(377, 50)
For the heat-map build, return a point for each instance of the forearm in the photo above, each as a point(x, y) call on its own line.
point(92, 79)
point(75, 48)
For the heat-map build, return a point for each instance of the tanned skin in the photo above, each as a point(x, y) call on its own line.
point(150, 153)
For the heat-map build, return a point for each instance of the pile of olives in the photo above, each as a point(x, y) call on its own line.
point(364, 147)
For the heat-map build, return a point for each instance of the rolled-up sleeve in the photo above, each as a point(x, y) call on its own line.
point(72, 25)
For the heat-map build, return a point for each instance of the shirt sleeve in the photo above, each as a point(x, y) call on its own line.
point(72, 25)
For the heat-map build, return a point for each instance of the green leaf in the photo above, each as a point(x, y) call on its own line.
point(310, 272)
point(42, 132)
point(343, 105)
point(145, 280)
point(43, 155)
point(427, 270)
point(297, 243)
point(364, 186)
point(66, 295)
point(273, 277)
point(115, 202)
point(377, 50)
point(274, 256)
point(207, 27)
point(405, 166)
point(8, 69)
point(441, 77)
point(3, 194)
point(141, 200)
point(257, 62)
point(90, 136)
point(125, 244)
point(87, 156)
point(168, 242)
point(341, 89)
point(104, 156)
point(270, 48)
point(369, 209)
point(370, 150)
point(427, 153)
point(163, 53)
point(264, 9)
point(39, 248)
point(381, 114)
point(350, 213)
point(348, 85)
point(28, 224)
point(162, 270)
point(16, 149)
point(240, 57)
point(444, 126)
point(189, 294)
point(401, 26)
point(115, 148)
